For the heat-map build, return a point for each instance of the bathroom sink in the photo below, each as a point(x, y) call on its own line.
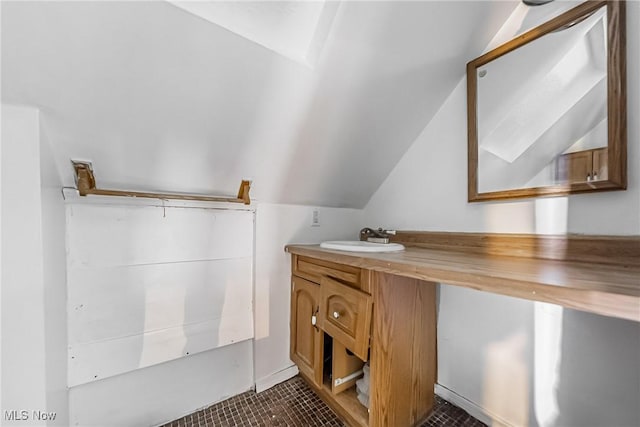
point(358, 246)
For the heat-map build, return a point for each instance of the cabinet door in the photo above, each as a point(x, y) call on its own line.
point(575, 167)
point(347, 368)
point(306, 345)
point(345, 314)
point(600, 164)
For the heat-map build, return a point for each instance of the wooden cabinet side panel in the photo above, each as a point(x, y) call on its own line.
point(425, 358)
point(403, 350)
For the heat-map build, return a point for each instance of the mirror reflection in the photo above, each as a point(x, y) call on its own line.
point(542, 110)
point(547, 111)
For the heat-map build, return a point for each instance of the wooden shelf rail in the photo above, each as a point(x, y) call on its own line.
point(86, 183)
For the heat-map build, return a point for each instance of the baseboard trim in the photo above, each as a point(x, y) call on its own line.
point(276, 378)
point(472, 408)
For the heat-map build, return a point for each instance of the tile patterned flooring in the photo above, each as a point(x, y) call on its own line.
point(292, 403)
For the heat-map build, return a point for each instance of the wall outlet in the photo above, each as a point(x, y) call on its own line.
point(315, 217)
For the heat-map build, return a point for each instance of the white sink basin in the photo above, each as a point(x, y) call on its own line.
point(358, 246)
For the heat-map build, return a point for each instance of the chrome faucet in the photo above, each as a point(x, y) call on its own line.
point(376, 236)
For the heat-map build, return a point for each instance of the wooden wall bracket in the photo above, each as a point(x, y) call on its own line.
point(86, 184)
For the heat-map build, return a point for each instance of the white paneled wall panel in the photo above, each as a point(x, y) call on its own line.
point(112, 235)
point(150, 284)
point(101, 359)
point(154, 296)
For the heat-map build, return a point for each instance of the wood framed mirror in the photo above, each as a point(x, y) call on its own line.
point(547, 111)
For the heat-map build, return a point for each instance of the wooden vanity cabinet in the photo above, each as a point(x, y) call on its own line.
point(343, 316)
point(597, 274)
point(331, 323)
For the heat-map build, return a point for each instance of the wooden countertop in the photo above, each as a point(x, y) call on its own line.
point(606, 289)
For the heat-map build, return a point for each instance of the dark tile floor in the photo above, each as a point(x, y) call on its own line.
point(292, 403)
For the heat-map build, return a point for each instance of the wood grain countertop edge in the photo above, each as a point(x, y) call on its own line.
point(609, 290)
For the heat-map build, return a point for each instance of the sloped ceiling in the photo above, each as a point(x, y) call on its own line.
point(160, 99)
point(295, 29)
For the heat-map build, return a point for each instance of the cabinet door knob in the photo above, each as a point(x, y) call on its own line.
point(336, 315)
point(314, 318)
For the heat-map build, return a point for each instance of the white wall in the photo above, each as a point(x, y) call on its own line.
point(23, 359)
point(520, 360)
point(1, 278)
point(157, 291)
point(149, 284)
point(161, 393)
point(277, 226)
point(33, 326)
point(55, 283)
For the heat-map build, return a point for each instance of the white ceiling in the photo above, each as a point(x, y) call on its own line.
point(160, 99)
point(295, 29)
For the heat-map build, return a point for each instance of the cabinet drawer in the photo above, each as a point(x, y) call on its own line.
point(345, 314)
point(314, 269)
